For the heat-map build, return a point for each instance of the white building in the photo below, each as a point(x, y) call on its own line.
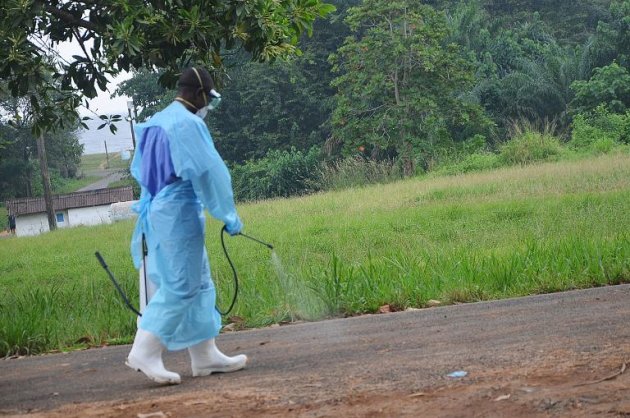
point(81, 208)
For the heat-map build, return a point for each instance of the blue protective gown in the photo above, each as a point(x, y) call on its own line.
point(180, 174)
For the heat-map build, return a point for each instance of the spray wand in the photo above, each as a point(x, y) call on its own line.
point(254, 239)
point(227, 256)
point(113, 279)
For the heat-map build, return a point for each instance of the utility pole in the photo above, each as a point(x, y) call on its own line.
point(106, 154)
point(131, 107)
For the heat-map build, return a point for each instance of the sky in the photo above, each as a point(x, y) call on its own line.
point(98, 140)
point(103, 103)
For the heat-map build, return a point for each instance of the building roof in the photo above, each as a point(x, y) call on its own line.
point(30, 205)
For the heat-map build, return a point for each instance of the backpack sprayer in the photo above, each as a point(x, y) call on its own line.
point(227, 256)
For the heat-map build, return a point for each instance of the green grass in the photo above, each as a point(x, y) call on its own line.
point(72, 185)
point(490, 235)
point(96, 163)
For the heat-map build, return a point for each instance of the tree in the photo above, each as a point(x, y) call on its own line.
point(521, 72)
point(609, 86)
point(121, 35)
point(279, 106)
point(147, 93)
point(399, 83)
point(611, 42)
point(18, 159)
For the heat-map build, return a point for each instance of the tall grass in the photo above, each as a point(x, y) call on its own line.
point(356, 172)
point(490, 235)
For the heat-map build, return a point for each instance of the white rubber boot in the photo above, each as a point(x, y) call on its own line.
point(146, 357)
point(205, 359)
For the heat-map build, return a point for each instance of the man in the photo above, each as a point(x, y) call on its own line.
point(12, 223)
point(180, 173)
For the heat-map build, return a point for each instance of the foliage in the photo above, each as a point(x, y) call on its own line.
point(120, 36)
point(611, 42)
point(609, 86)
point(529, 145)
point(146, 92)
point(279, 106)
point(265, 108)
point(600, 129)
point(525, 56)
point(522, 71)
point(19, 169)
point(399, 82)
point(571, 22)
point(278, 174)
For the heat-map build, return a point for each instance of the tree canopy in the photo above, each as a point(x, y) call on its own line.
point(19, 170)
point(400, 82)
point(120, 35)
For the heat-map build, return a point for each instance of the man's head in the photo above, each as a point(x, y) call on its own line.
point(195, 86)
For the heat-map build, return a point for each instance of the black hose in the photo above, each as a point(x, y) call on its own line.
point(223, 230)
point(227, 256)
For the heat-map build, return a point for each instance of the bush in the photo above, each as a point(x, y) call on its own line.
point(278, 174)
point(530, 146)
point(600, 131)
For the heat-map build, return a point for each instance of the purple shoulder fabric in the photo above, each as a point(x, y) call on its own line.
point(157, 166)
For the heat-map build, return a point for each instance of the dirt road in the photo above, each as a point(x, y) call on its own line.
point(551, 355)
point(107, 178)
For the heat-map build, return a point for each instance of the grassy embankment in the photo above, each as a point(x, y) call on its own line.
point(94, 163)
point(498, 234)
point(93, 168)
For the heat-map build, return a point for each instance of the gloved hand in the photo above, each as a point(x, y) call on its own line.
point(235, 227)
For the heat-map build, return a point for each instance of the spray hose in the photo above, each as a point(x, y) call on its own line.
point(227, 256)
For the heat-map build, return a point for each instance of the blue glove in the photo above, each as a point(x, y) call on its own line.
point(234, 228)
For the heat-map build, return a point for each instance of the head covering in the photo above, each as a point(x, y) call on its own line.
point(196, 77)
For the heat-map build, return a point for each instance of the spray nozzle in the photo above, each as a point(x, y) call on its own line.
point(257, 240)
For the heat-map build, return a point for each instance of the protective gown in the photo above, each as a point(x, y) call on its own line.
point(180, 173)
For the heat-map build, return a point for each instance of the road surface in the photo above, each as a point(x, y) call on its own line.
point(540, 356)
point(108, 178)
